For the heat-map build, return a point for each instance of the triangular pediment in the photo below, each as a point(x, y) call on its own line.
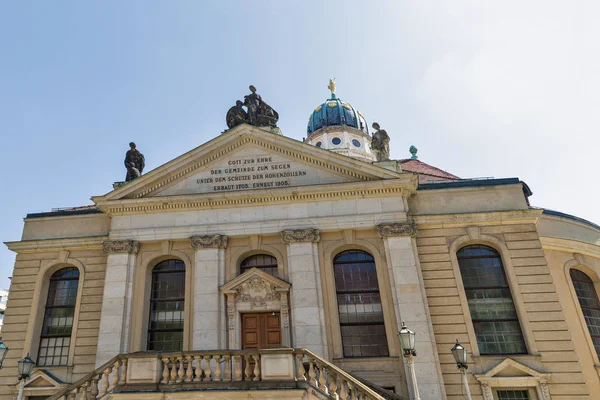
point(248, 158)
point(42, 379)
point(255, 280)
point(511, 369)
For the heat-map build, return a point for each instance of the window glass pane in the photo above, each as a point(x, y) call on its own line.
point(590, 305)
point(512, 394)
point(490, 302)
point(55, 339)
point(263, 262)
point(167, 306)
point(359, 305)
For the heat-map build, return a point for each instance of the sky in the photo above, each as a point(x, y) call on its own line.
point(482, 89)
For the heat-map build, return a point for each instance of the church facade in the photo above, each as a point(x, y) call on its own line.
point(259, 266)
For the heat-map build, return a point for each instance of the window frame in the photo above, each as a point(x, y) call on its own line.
point(75, 307)
point(243, 269)
point(369, 291)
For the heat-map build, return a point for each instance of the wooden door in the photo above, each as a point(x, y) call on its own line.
point(261, 331)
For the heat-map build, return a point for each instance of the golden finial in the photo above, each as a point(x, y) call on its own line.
point(331, 86)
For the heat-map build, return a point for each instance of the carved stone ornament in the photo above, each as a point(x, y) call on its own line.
point(257, 292)
point(300, 235)
point(487, 392)
point(121, 246)
point(545, 391)
point(397, 229)
point(209, 241)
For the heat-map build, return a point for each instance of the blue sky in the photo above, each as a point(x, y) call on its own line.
point(504, 89)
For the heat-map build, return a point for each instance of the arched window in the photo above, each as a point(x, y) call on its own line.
point(263, 262)
point(491, 305)
point(55, 339)
point(359, 305)
point(590, 305)
point(167, 298)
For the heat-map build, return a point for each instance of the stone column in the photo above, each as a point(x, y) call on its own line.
point(410, 303)
point(115, 319)
point(209, 328)
point(307, 316)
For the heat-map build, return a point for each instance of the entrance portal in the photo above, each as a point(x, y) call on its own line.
point(261, 331)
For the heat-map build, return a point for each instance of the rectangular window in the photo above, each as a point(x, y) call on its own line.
point(513, 395)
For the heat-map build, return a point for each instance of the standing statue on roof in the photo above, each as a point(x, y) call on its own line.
point(380, 143)
point(134, 162)
point(258, 112)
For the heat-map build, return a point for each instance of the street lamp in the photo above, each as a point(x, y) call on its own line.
point(25, 366)
point(460, 356)
point(3, 351)
point(407, 341)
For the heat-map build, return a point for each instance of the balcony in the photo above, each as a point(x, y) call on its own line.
point(263, 374)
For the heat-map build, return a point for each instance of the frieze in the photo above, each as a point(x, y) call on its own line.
point(397, 229)
point(209, 241)
point(300, 235)
point(121, 246)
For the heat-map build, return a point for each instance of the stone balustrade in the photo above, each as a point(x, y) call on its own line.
point(282, 368)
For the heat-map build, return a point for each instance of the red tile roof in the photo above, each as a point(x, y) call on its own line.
point(427, 173)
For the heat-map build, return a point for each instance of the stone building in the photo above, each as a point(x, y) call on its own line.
point(259, 266)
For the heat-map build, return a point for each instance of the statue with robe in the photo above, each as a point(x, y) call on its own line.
point(380, 143)
point(257, 113)
point(134, 162)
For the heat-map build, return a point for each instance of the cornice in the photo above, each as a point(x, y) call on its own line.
point(121, 246)
point(401, 187)
point(509, 217)
point(397, 229)
point(199, 242)
point(86, 243)
point(300, 235)
point(570, 246)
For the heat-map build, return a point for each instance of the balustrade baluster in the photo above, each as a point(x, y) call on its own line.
point(114, 379)
point(256, 358)
point(104, 381)
point(217, 368)
point(312, 374)
point(332, 384)
point(173, 377)
point(189, 369)
point(228, 374)
point(123, 377)
point(238, 367)
point(94, 388)
point(180, 370)
point(322, 378)
point(165, 372)
point(207, 369)
point(198, 369)
point(301, 372)
point(343, 393)
point(247, 369)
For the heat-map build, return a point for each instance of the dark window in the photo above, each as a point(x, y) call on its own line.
point(491, 305)
point(55, 339)
point(167, 298)
point(359, 305)
point(512, 394)
point(356, 142)
point(590, 305)
point(336, 140)
point(319, 144)
point(263, 262)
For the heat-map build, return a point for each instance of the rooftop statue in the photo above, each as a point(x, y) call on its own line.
point(380, 143)
point(258, 112)
point(134, 162)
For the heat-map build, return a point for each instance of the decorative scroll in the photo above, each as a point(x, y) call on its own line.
point(300, 235)
point(121, 246)
point(545, 391)
point(209, 241)
point(231, 312)
point(284, 311)
point(487, 392)
point(397, 229)
point(257, 292)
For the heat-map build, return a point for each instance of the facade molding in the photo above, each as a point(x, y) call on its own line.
point(397, 229)
point(300, 235)
point(463, 220)
point(121, 246)
point(520, 376)
point(29, 246)
point(217, 241)
point(570, 246)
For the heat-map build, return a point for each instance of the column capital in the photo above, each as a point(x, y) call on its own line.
point(300, 235)
point(121, 246)
point(397, 229)
point(199, 242)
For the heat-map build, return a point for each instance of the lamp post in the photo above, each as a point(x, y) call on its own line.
point(407, 341)
point(25, 366)
point(460, 355)
point(3, 351)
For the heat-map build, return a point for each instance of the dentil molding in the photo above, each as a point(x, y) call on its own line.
point(208, 242)
point(300, 235)
point(397, 229)
point(121, 246)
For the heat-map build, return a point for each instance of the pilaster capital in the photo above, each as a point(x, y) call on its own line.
point(121, 246)
point(300, 235)
point(199, 242)
point(397, 229)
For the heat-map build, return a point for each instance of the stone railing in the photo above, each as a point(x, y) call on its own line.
point(219, 369)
